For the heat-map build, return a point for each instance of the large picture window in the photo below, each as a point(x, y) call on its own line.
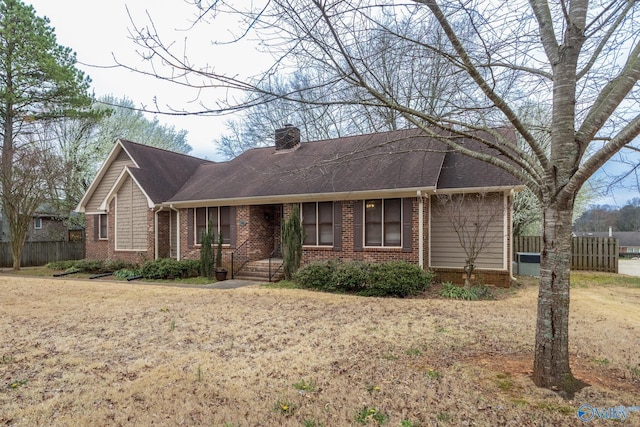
point(218, 217)
point(317, 223)
point(383, 222)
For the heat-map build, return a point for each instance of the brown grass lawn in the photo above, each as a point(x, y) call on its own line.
point(75, 353)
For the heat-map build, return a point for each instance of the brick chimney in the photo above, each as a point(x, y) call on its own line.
point(287, 137)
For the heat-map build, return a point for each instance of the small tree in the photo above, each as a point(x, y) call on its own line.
point(471, 217)
point(292, 243)
point(206, 253)
point(219, 253)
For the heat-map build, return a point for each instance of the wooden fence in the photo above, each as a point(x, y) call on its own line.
point(588, 253)
point(40, 253)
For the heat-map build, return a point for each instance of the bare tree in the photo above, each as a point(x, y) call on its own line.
point(34, 165)
point(578, 59)
point(473, 218)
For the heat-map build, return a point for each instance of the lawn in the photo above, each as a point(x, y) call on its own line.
point(76, 352)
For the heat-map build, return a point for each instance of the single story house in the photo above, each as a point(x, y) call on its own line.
point(368, 197)
point(628, 241)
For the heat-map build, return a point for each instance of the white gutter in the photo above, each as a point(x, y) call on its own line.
point(177, 232)
point(299, 198)
point(155, 231)
point(420, 230)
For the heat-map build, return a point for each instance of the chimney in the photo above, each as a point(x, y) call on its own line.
point(287, 137)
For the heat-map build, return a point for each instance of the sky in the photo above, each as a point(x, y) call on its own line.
point(98, 31)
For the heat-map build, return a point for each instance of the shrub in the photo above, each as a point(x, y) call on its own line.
point(92, 266)
point(317, 275)
point(471, 294)
point(206, 253)
point(125, 273)
point(397, 279)
point(351, 276)
point(167, 268)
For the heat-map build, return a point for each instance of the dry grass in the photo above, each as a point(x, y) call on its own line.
point(103, 353)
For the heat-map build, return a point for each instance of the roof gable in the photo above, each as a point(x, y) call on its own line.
point(159, 173)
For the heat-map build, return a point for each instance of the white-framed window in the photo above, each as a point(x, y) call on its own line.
point(103, 227)
point(218, 217)
point(37, 223)
point(317, 223)
point(383, 223)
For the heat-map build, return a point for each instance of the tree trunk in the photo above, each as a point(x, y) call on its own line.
point(551, 364)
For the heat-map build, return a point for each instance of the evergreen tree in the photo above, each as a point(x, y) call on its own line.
point(292, 236)
point(38, 83)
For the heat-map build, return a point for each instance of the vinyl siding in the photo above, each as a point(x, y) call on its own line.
point(446, 249)
point(131, 217)
point(106, 183)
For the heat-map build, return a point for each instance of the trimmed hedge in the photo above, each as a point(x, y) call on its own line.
point(167, 268)
point(389, 279)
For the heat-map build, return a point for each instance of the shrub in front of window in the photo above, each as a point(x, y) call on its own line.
point(390, 279)
point(317, 275)
point(351, 276)
point(170, 269)
point(397, 279)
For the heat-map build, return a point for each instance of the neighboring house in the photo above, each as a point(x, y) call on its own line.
point(628, 241)
point(368, 197)
point(45, 226)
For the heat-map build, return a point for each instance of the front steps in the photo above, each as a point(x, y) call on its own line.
point(259, 270)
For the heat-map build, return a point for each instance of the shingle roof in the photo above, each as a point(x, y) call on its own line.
point(625, 238)
point(460, 171)
point(160, 172)
point(391, 160)
point(404, 159)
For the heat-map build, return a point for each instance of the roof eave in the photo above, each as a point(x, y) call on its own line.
point(490, 189)
point(297, 198)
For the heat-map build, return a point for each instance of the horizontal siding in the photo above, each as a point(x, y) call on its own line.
point(107, 181)
point(139, 218)
point(446, 249)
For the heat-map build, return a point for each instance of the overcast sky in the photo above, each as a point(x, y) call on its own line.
point(98, 30)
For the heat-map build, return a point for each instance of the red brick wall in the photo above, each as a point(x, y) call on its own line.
point(95, 249)
point(486, 277)
point(164, 248)
point(261, 225)
point(105, 249)
point(311, 254)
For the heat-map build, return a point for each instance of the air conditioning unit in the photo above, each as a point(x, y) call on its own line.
point(528, 263)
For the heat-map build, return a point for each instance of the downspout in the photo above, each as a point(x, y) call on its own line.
point(510, 235)
point(155, 228)
point(420, 230)
point(177, 231)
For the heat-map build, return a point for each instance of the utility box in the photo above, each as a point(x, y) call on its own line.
point(528, 263)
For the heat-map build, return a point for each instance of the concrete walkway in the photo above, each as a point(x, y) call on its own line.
point(630, 267)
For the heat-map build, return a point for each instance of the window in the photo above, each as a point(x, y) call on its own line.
point(37, 223)
point(317, 223)
point(220, 220)
point(383, 222)
point(103, 224)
